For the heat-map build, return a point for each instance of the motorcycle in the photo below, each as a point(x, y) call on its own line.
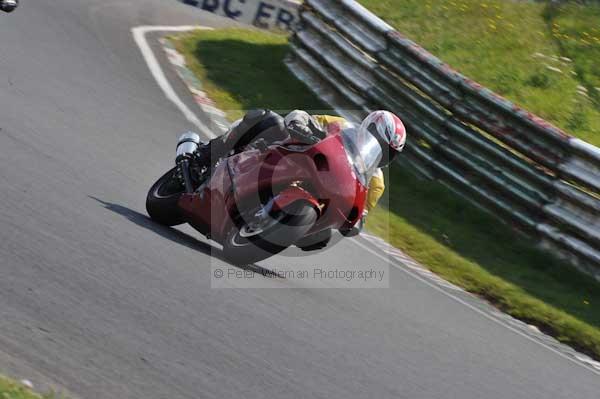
point(260, 201)
point(8, 5)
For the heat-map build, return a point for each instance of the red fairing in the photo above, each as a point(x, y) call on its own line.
point(319, 174)
point(292, 194)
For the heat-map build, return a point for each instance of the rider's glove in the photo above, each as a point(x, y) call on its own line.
point(303, 127)
point(301, 133)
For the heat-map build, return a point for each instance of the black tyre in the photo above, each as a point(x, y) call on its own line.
point(242, 247)
point(161, 202)
point(315, 241)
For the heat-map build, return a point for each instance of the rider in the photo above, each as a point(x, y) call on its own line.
point(270, 127)
point(8, 5)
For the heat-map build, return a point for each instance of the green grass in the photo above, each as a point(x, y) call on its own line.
point(576, 29)
point(14, 390)
point(512, 48)
point(242, 69)
point(471, 249)
point(447, 234)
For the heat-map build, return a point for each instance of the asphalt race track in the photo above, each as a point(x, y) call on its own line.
point(98, 301)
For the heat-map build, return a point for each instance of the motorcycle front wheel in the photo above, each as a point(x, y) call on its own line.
point(246, 243)
point(161, 202)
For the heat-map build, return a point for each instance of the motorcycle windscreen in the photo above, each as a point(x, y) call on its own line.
point(363, 152)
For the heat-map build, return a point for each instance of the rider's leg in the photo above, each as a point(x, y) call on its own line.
point(256, 124)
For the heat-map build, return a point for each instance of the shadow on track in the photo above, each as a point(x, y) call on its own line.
point(175, 235)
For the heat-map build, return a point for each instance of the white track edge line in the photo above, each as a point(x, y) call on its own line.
point(392, 261)
point(139, 35)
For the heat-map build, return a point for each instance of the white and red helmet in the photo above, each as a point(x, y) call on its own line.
point(389, 131)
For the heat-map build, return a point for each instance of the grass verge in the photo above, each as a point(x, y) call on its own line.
point(515, 49)
point(14, 390)
point(449, 235)
point(242, 69)
point(471, 249)
point(576, 29)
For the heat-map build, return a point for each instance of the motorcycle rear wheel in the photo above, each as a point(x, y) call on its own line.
point(161, 202)
point(293, 223)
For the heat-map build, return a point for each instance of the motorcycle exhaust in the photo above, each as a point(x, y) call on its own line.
point(187, 145)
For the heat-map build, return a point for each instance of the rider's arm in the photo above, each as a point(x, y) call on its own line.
point(319, 122)
point(376, 189)
point(303, 127)
point(301, 119)
point(325, 120)
point(304, 119)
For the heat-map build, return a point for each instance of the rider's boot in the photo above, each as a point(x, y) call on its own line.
point(208, 154)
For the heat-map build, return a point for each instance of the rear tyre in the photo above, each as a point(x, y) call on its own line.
point(161, 202)
point(242, 246)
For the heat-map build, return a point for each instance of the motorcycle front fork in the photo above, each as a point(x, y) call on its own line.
point(184, 165)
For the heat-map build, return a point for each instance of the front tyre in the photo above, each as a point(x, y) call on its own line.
point(315, 242)
point(246, 244)
point(161, 202)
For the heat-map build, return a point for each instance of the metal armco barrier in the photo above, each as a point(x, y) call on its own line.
point(530, 173)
